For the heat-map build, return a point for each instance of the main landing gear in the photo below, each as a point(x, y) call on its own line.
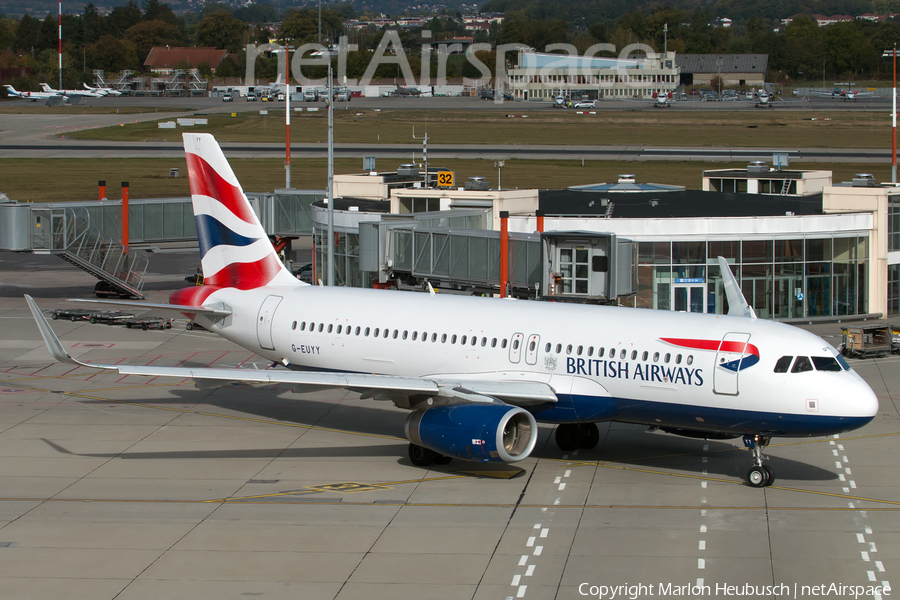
point(572, 436)
point(759, 475)
point(425, 457)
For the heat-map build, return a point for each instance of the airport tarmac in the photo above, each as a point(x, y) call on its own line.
point(137, 488)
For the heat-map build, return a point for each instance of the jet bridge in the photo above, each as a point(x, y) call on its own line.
point(584, 267)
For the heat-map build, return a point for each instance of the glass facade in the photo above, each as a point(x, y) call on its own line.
point(781, 279)
point(346, 259)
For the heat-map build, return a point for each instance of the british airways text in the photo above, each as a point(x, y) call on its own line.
point(617, 369)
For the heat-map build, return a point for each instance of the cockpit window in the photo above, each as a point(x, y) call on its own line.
point(826, 363)
point(783, 364)
point(802, 365)
point(843, 362)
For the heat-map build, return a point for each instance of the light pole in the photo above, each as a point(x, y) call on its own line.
point(499, 164)
point(329, 270)
point(893, 53)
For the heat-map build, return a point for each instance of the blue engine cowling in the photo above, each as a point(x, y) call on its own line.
point(474, 432)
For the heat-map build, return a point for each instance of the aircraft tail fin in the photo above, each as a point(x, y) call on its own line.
point(45, 87)
point(737, 304)
point(235, 250)
point(12, 91)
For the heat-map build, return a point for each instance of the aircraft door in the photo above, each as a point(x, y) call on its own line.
point(729, 360)
point(264, 322)
point(515, 348)
point(531, 349)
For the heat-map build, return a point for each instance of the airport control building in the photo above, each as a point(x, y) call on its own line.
point(545, 76)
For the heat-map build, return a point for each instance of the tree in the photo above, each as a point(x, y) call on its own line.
point(48, 34)
point(302, 26)
point(27, 33)
point(154, 10)
point(93, 23)
point(122, 18)
point(259, 12)
point(111, 54)
point(148, 34)
point(221, 30)
point(847, 51)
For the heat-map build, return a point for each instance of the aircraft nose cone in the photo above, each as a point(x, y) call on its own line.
point(858, 400)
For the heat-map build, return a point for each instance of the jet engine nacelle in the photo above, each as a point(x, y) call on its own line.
point(474, 432)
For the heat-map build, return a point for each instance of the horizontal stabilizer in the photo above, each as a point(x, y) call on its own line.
point(172, 308)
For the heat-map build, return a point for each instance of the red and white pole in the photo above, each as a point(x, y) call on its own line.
point(102, 185)
point(60, 45)
point(894, 123)
point(539, 214)
point(504, 251)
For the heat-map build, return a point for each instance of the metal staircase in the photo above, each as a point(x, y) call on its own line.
point(67, 233)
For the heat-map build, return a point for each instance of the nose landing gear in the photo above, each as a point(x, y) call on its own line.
point(759, 475)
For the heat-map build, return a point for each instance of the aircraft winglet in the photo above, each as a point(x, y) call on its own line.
point(737, 304)
point(53, 344)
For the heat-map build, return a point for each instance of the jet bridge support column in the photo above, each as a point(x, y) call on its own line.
point(125, 214)
point(102, 189)
point(504, 251)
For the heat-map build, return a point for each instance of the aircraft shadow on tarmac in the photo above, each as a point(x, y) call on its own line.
point(623, 445)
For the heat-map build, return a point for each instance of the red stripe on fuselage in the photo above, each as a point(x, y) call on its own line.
point(738, 347)
point(206, 181)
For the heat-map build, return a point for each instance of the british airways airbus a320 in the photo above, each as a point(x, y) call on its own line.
point(478, 374)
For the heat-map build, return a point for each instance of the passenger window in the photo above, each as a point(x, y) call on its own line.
point(405, 334)
point(590, 350)
point(531, 346)
point(677, 359)
point(453, 339)
point(578, 350)
point(357, 330)
point(503, 343)
point(444, 339)
point(367, 332)
point(515, 344)
point(601, 351)
point(339, 330)
point(558, 348)
point(783, 364)
point(667, 357)
point(395, 334)
point(622, 354)
point(633, 354)
point(376, 332)
point(415, 335)
point(690, 359)
point(656, 357)
point(385, 333)
point(462, 340)
point(547, 347)
point(826, 363)
point(474, 340)
point(312, 327)
point(569, 349)
point(483, 342)
point(294, 325)
point(493, 342)
point(802, 365)
point(321, 327)
point(644, 356)
point(330, 328)
point(434, 337)
point(303, 326)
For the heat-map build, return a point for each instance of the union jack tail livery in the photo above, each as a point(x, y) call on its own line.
point(234, 248)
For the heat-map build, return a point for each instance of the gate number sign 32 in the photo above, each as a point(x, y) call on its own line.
point(445, 178)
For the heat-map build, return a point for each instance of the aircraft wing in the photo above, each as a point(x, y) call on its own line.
point(395, 388)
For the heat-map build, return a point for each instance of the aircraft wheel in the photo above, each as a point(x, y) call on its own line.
point(590, 436)
point(421, 457)
point(441, 459)
point(757, 477)
point(770, 477)
point(567, 437)
point(74, 319)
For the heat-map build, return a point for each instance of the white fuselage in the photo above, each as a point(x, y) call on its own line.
point(605, 363)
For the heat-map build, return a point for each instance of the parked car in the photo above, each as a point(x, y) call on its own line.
point(586, 104)
point(304, 273)
point(150, 322)
point(251, 97)
point(111, 317)
point(73, 314)
point(227, 97)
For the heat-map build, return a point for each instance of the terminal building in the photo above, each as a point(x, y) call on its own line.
point(801, 246)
